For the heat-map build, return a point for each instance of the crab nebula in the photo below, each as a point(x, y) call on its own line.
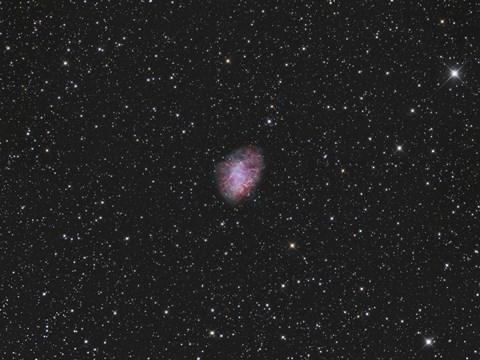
point(238, 175)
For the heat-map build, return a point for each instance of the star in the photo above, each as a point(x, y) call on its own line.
point(455, 72)
point(428, 342)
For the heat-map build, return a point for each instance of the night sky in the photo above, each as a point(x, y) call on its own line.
point(356, 237)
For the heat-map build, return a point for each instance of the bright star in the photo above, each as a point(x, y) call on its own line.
point(454, 74)
point(428, 342)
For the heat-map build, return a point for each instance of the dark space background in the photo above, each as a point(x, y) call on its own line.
point(361, 240)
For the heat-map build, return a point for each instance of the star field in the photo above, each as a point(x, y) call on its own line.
point(359, 241)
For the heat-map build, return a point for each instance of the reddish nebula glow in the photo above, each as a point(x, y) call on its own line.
point(238, 175)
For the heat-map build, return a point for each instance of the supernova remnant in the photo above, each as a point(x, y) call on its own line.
point(239, 173)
